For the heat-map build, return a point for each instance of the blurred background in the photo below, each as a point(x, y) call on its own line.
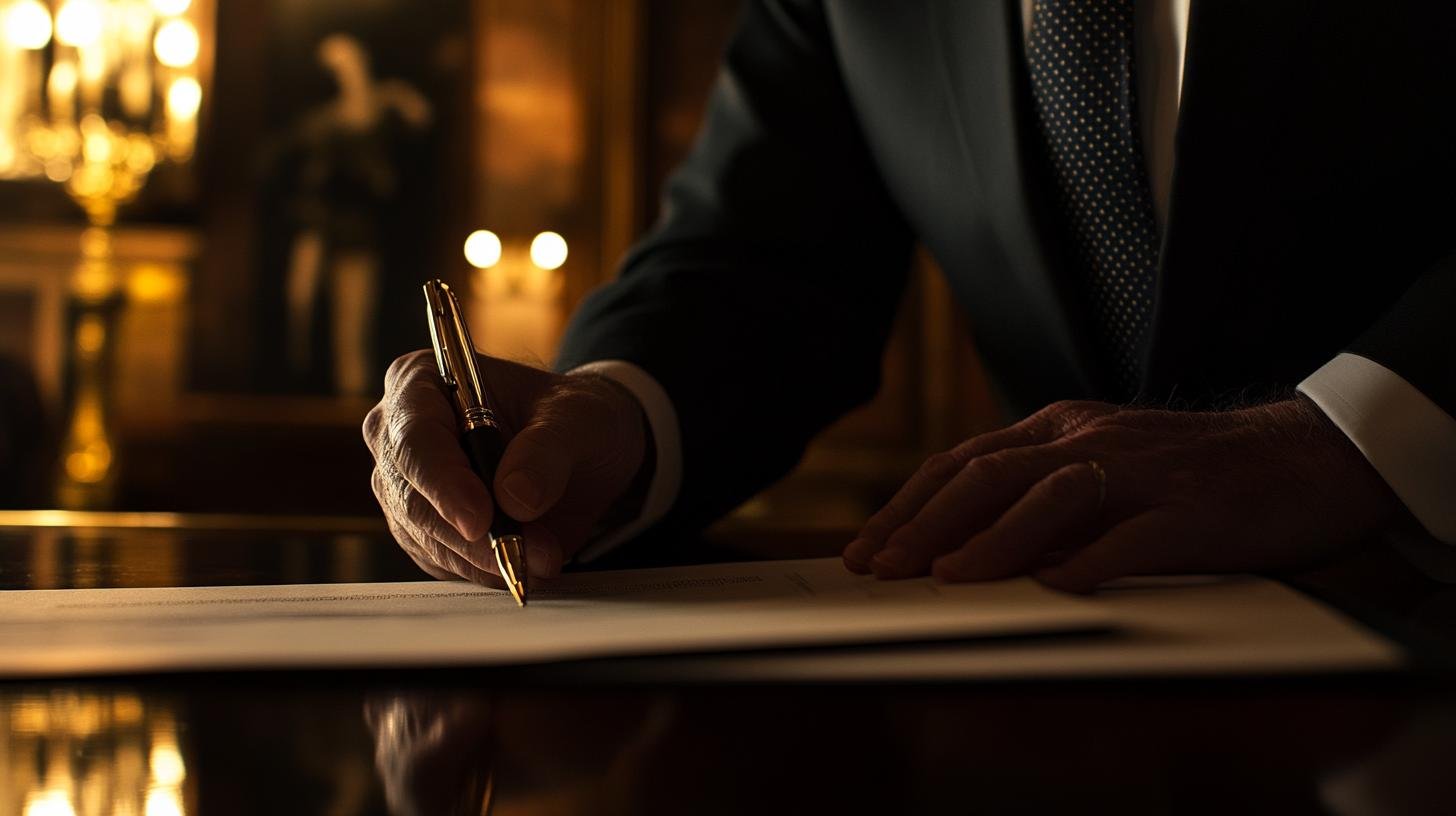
point(215, 216)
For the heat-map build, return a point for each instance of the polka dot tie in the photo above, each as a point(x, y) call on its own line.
point(1081, 57)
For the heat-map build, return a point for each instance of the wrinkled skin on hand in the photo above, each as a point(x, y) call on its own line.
point(1267, 487)
point(577, 443)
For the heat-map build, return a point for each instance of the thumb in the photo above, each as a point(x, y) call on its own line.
point(535, 469)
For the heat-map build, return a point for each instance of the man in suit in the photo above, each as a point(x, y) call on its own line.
point(1206, 248)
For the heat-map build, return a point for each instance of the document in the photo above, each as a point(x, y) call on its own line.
point(714, 608)
point(1193, 626)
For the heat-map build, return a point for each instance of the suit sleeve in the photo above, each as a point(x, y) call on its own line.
point(762, 300)
point(1416, 336)
point(1393, 393)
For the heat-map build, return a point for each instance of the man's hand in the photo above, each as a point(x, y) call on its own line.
point(1261, 488)
point(578, 442)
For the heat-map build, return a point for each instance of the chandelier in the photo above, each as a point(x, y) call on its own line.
point(94, 94)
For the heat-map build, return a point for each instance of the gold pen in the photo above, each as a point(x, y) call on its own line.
point(481, 434)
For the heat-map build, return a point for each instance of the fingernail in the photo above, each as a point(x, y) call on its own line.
point(858, 552)
point(946, 569)
point(541, 560)
point(524, 489)
point(470, 524)
point(892, 559)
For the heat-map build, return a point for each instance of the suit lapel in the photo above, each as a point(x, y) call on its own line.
point(985, 76)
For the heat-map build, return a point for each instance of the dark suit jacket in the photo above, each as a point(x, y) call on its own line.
point(1313, 210)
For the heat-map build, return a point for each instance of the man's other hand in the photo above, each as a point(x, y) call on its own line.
point(1084, 492)
point(577, 443)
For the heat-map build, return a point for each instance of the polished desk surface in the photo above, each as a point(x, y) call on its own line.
point(560, 740)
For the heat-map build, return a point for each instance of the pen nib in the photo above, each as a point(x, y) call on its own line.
point(510, 559)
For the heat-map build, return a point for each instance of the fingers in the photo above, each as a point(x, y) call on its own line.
point(536, 467)
point(580, 442)
point(1047, 425)
point(414, 429)
point(968, 504)
point(1139, 545)
point(426, 554)
point(1045, 519)
point(561, 472)
point(432, 543)
point(937, 471)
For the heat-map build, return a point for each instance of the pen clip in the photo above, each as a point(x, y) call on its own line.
point(438, 316)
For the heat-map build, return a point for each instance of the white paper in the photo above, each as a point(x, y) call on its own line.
point(1166, 627)
point(633, 612)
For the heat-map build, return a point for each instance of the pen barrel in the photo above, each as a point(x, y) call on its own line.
point(483, 447)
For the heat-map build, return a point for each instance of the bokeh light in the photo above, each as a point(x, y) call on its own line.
point(49, 803)
point(170, 8)
point(176, 44)
point(483, 249)
point(184, 97)
point(548, 250)
point(27, 25)
point(78, 23)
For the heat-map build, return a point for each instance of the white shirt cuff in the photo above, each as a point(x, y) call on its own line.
point(1407, 438)
point(667, 478)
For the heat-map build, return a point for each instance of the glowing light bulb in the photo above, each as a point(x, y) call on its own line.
point(483, 249)
point(49, 803)
point(184, 97)
point(28, 25)
point(167, 766)
point(170, 8)
point(163, 802)
point(78, 23)
point(176, 44)
point(548, 250)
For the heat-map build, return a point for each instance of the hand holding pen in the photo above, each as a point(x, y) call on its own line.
point(575, 445)
point(481, 433)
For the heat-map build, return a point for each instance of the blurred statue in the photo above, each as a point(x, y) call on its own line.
point(347, 175)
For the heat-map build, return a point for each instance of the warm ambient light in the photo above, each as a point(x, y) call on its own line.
point(163, 802)
point(483, 249)
point(49, 803)
point(28, 25)
point(184, 97)
point(176, 44)
point(167, 766)
point(548, 250)
point(78, 23)
point(170, 8)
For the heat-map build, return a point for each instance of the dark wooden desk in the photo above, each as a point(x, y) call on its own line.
point(555, 743)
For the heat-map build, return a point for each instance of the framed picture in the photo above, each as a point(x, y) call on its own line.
point(335, 176)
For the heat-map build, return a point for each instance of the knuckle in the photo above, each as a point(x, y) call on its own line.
point(376, 483)
point(941, 466)
point(397, 446)
point(404, 366)
point(1067, 416)
point(1068, 483)
point(1099, 434)
point(392, 490)
point(373, 424)
point(989, 469)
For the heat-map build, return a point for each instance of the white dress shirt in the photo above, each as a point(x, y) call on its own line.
point(1409, 440)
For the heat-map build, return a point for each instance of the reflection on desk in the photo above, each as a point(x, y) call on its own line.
point(73, 751)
